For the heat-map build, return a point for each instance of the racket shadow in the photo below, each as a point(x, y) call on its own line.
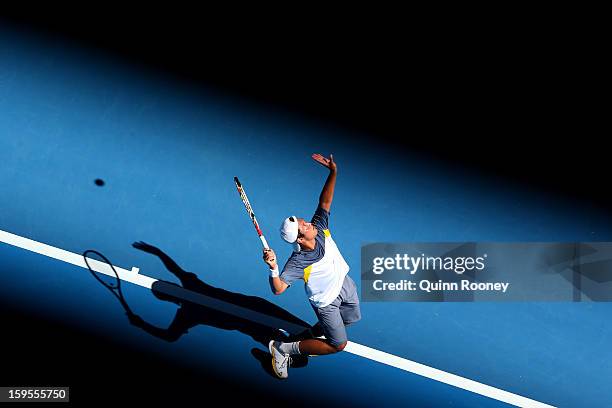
point(202, 304)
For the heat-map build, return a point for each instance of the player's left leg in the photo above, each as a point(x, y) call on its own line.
point(333, 327)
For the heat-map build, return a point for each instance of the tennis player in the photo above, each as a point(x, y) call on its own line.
point(318, 262)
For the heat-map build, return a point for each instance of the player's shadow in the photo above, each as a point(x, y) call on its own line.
point(202, 304)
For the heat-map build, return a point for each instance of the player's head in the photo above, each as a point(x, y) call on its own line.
point(296, 230)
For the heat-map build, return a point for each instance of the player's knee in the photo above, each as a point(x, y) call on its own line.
point(340, 347)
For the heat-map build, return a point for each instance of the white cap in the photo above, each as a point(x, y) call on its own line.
point(289, 232)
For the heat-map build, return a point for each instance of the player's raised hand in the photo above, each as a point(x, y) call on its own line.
point(329, 163)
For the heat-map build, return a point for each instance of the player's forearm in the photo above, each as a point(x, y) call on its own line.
point(276, 285)
point(170, 264)
point(327, 194)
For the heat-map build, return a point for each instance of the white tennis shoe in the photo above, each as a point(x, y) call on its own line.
point(280, 360)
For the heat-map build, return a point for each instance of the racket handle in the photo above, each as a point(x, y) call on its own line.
point(264, 242)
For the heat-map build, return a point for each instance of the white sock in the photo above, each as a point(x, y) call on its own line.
point(290, 348)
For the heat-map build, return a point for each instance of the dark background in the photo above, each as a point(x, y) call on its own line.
point(43, 352)
point(513, 95)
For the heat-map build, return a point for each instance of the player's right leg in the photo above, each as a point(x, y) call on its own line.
point(332, 326)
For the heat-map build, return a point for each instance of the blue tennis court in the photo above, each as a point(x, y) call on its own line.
point(167, 155)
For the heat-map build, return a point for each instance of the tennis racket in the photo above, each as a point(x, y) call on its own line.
point(111, 283)
point(249, 209)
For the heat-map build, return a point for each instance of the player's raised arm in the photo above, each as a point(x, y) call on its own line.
point(327, 195)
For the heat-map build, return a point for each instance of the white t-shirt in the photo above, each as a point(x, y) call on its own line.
point(323, 269)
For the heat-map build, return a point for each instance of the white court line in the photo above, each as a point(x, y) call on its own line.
point(442, 376)
point(134, 277)
point(131, 276)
